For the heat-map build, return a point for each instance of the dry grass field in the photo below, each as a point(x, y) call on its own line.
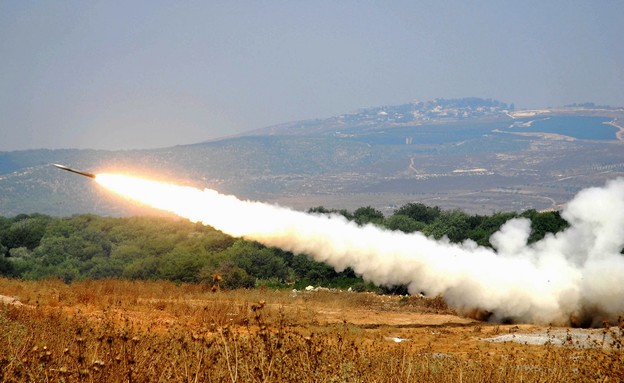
point(130, 331)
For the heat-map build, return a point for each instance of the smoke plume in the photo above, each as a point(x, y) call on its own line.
point(576, 275)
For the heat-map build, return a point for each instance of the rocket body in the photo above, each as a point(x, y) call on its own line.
point(90, 175)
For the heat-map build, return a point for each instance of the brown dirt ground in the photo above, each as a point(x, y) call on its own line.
point(373, 318)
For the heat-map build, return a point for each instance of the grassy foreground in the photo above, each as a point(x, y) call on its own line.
point(128, 331)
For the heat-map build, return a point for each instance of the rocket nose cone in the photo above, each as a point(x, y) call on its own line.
point(90, 175)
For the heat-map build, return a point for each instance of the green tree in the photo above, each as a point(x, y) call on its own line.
point(26, 231)
point(104, 267)
point(368, 214)
point(182, 264)
point(7, 269)
point(488, 226)
point(544, 222)
point(309, 271)
point(235, 277)
point(142, 268)
point(419, 212)
point(257, 260)
point(322, 210)
point(454, 225)
point(403, 223)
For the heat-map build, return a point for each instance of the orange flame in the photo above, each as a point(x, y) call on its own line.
point(207, 206)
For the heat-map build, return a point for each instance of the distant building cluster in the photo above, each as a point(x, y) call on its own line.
point(437, 109)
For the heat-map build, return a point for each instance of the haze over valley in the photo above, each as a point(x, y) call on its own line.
point(478, 155)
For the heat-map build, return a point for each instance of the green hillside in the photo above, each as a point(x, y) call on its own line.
point(472, 154)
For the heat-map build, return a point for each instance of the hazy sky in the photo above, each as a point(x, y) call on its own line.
point(145, 74)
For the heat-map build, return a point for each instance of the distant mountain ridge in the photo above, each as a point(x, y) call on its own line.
point(414, 113)
point(476, 154)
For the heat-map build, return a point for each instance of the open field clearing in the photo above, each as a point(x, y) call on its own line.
point(129, 331)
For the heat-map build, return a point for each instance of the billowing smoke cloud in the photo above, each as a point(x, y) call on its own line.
point(577, 273)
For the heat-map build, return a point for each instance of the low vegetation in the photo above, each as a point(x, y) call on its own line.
point(135, 331)
point(35, 246)
point(145, 299)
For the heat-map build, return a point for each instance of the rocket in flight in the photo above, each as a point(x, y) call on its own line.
point(90, 175)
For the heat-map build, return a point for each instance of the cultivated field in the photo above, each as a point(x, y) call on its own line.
point(128, 331)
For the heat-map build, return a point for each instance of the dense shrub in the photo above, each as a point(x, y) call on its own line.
point(36, 246)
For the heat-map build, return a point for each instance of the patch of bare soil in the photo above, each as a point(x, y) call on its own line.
point(375, 319)
point(573, 337)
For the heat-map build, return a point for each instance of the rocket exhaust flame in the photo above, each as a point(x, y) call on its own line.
point(575, 273)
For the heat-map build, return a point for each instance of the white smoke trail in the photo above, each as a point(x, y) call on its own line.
point(576, 272)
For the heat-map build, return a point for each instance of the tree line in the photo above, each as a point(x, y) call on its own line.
point(37, 246)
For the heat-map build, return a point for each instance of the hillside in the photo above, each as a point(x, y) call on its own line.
point(474, 154)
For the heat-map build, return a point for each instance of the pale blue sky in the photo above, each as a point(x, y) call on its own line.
point(145, 74)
